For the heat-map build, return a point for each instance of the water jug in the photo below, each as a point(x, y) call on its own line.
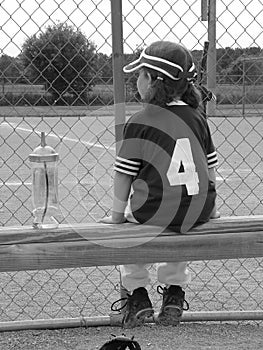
point(44, 185)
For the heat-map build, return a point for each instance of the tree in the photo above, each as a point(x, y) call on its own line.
point(61, 58)
point(245, 67)
point(131, 79)
point(104, 69)
point(10, 69)
point(227, 58)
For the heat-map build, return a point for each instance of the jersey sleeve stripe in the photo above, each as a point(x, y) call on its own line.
point(126, 166)
point(128, 161)
point(124, 171)
point(212, 163)
point(212, 160)
point(212, 155)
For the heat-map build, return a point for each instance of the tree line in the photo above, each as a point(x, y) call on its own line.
point(66, 62)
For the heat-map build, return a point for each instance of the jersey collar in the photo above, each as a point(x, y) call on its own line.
point(177, 103)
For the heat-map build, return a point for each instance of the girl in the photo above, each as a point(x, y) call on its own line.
point(164, 172)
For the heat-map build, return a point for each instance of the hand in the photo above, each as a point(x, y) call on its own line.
point(110, 220)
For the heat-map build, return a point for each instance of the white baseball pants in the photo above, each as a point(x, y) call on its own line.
point(134, 276)
point(137, 275)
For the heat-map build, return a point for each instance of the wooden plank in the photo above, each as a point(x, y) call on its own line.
point(98, 231)
point(49, 255)
point(96, 244)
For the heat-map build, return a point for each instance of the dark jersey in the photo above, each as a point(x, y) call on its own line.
point(168, 152)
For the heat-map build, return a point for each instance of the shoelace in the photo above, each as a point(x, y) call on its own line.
point(118, 301)
point(121, 307)
point(172, 298)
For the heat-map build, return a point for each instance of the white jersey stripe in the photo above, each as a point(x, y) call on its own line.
point(212, 155)
point(131, 162)
point(212, 160)
point(126, 166)
point(209, 160)
point(125, 171)
point(213, 163)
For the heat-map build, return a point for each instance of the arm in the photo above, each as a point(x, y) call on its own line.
point(212, 177)
point(122, 187)
point(127, 166)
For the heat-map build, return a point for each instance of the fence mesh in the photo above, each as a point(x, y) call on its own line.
point(51, 82)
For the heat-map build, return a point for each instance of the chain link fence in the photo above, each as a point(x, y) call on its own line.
point(56, 76)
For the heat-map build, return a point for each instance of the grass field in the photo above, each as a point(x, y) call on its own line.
point(85, 141)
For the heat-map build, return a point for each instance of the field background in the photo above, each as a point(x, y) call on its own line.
point(85, 141)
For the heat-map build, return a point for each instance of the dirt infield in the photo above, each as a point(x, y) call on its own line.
point(150, 337)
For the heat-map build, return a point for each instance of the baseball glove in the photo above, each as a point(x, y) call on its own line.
point(121, 343)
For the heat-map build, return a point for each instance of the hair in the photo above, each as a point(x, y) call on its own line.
point(164, 89)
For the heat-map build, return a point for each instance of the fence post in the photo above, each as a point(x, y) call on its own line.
point(211, 57)
point(118, 85)
point(117, 63)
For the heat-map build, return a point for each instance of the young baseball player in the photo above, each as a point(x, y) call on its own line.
point(164, 172)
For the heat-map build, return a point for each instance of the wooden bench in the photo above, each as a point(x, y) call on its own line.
point(96, 244)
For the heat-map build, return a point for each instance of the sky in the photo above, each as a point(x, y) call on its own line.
point(239, 22)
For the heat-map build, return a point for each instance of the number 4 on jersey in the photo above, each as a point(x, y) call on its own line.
point(182, 154)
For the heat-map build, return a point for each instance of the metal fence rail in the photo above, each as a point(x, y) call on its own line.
point(80, 125)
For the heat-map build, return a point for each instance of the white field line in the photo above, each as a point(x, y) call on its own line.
point(61, 137)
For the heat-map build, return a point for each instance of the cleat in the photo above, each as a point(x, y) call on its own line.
point(172, 307)
point(138, 308)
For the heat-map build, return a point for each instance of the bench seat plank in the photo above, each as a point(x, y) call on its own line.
point(97, 231)
point(96, 244)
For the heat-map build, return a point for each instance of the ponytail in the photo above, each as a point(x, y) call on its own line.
point(192, 96)
point(160, 92)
